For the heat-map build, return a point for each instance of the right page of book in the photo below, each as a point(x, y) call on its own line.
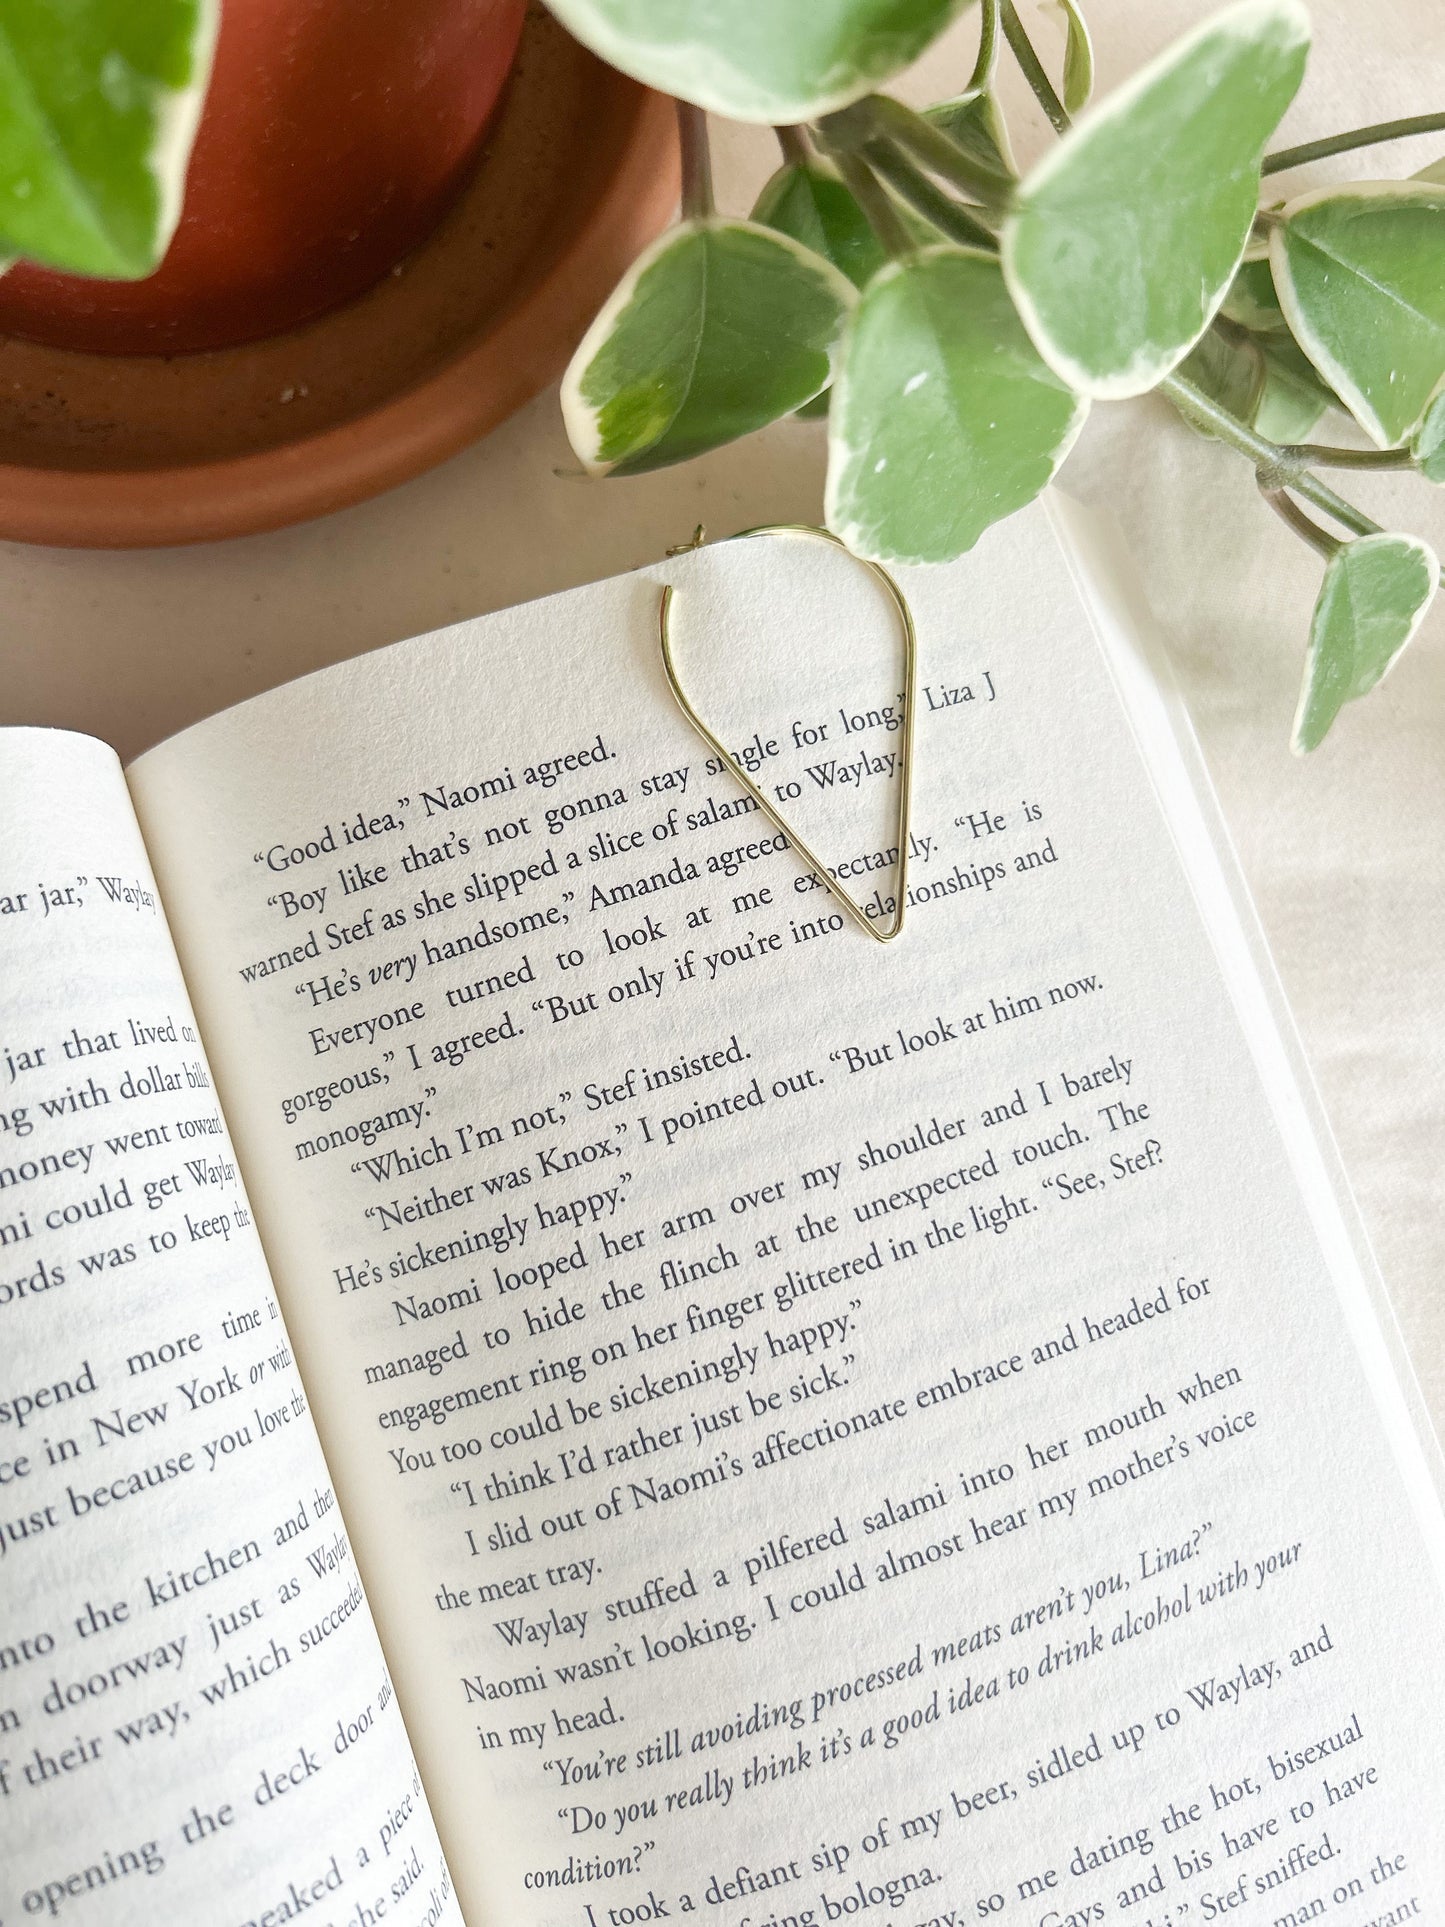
point(831, 1431)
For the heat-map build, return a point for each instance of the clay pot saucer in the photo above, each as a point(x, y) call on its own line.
point(578, 173)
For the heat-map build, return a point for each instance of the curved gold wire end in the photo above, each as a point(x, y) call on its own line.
point(880, 934)
point(699, 536)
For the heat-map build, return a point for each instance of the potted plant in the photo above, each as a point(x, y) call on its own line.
point(267, 257)
point(329, 139)
point(958, 321)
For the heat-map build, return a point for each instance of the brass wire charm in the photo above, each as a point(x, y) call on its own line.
point(740, 775)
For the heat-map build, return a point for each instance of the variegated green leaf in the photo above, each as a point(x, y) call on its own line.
point(1374, 597)
point(99, 101)
point(1124, 240)
point(719, 328)
point(808, 201)
point(944, 417)
point(761, 60)
point(1361, 277)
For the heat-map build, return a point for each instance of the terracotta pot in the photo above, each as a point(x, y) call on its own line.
point(579, 171)
point(335, 134)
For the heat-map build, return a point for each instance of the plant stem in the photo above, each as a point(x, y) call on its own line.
point(940, 155)
point(1032, 67)
point(1190, 400)
point(793, 142)
point(1294, 517)
point(1314, 455)
point(955, 222)
point(697, 199)
point(883, 216)
point(986, 63)
point(1274, 467)
point(1384, 130)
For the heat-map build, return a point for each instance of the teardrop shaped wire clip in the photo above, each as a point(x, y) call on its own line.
point(735, 769)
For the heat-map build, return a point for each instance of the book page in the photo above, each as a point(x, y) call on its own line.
point(832, 1432)
point(196, 1721)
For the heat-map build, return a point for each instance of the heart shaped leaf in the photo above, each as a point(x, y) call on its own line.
point(1374, 597)
point(808, 201)
point(99, 101)
point(1124, 240)
point(1361, 277)
point(944, 417)
point(770, 62)
point(719, 328)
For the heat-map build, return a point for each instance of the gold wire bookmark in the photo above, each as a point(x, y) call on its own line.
point(735, 769)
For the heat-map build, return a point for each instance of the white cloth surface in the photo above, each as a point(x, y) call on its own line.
point(1344, 852)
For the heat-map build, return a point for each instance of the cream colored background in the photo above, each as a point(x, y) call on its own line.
point(1344, 853)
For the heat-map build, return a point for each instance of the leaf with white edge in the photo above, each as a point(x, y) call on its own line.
point(99, 101)
point(717, 329)
point(1374, 597)
point(975, 123)
point(1252, 301)
point(808, 201)
point(1124, 240)
point(1434, 172)
point(781, 60)
point(1427, 444)
point(1078, 58)
point(1294, 397)
point(944, 418)
point(1361, 277)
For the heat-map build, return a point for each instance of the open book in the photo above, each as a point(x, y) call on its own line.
point(547, 1382)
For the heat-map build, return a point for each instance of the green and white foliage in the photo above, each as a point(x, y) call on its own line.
point(945, 418)
point(954, 321)
point(1361, 278)
point(760, 60)
point(719, 328)
point(99, 102)
point(1124, 240)
point(1375, 594)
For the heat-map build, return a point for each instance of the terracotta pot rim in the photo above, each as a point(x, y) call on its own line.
point(520, 349)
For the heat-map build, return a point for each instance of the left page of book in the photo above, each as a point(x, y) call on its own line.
point(196, 1722)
